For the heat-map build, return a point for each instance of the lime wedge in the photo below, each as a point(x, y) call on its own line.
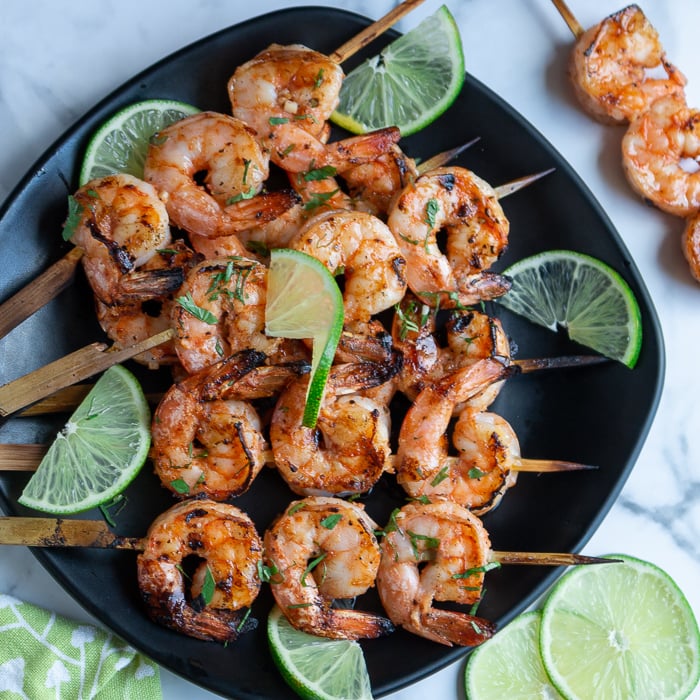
point(317, 668)
point(562, 288)
point(409, 84)
point(509, 666)
point(121, 143)
point(304, 301)
point(620, 630)
point(98, 452)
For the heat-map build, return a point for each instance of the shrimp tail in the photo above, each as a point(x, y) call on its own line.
point(351, 377)
point(172, 609)
point(356, 624)
point(265, 381)
point(150, 284)
point(355, 150)
point(218, 380)
point(263, 208)
point(454, 628)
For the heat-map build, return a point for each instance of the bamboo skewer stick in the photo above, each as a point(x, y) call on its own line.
point(568, 16)
point(23, 457)
point(68, 370)
point(60, 532)
point(444, 157)
point(38, 292)
point(368, 35)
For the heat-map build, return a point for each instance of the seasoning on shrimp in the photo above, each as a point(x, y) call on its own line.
point(320, 550)
point(618, 68)
point(434, 552)
point(217, 548)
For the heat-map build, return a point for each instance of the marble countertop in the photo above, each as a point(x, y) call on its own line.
point(58, 59)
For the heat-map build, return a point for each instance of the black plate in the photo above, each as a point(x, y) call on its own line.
point(598, 415)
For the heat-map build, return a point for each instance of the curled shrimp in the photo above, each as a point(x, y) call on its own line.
point(223, 154)
point(480, 474)
point(349, 448)
point(434, 552)
point(206, 439)
point(363, 248)
point(220, 310)
point(660, 156)
point(318, 550)
point(286, 94)
point(618, 68)
point(120, 224)
point(460, 204)
point(471, 336)
point(218, 544)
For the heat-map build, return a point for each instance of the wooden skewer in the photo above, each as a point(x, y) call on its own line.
point(568, 16)
point(444, 157)
point(69, 370)
point(23, 457)
point(514, 185)
point(368, 35)
point(38, 292)
point(59, 532)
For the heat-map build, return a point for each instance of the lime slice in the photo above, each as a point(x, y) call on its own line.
point(98, 452)
point(304, 301)
point(509, 666)
point(121, 143)
point(562, 288)
point(317, 668)
point(620, 631)
point(409, 84)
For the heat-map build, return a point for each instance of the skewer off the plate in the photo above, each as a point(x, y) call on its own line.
point(66, 371)
point(38, 292)
point(60, 532)
point(568, 16)
point(368, 35)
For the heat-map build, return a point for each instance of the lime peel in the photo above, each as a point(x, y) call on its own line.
point(578, 292)
point(304, 302)
point(409, 84)
point(100, 450)
point(317, 668)
point(120, 144)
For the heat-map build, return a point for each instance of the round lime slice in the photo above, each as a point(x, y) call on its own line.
point(121, 143)
point(622, 630)
point(317, 668)
point(409, 84)
point(304, 301)
point(562, 288)
point(98, 452)
point(509, 666)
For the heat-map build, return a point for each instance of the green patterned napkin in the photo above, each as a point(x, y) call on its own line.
point(44, 656)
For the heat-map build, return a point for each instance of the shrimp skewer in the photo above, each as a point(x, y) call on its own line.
point(618, 67)
point(440, 552)
point(319, 550)
point(488, 446)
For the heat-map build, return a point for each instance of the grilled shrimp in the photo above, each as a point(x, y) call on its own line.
point(479, 476)
point(349, 449)
point(220, 544)
point(206, 438)
point(460, 204)
point(319, 550)
point(286, 94)
point(661, 156)
point(362, 247)
point(220, 310)
point(120, 224)
point(691, 245)
point(619, 68)
point(223, 154)
point(434, 552)
point(471, 336)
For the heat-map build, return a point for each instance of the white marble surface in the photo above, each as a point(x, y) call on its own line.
point(58, 59)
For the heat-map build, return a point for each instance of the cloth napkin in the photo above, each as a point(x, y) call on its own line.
point(44, 656)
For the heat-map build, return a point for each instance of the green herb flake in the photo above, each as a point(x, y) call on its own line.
point(274, 121)
point(75, 213)
point(423, 545)
point(249, 194)
point(311, 566)
point(478, 570)
point(267, 573)
point(189, 305)
point(441, 476)
point(331, 521)
point(180, 485)
point(475, 473)
point(431, 210)
point(208, 587)
point(318, 199)
point(320, 173)
point(319, 79)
